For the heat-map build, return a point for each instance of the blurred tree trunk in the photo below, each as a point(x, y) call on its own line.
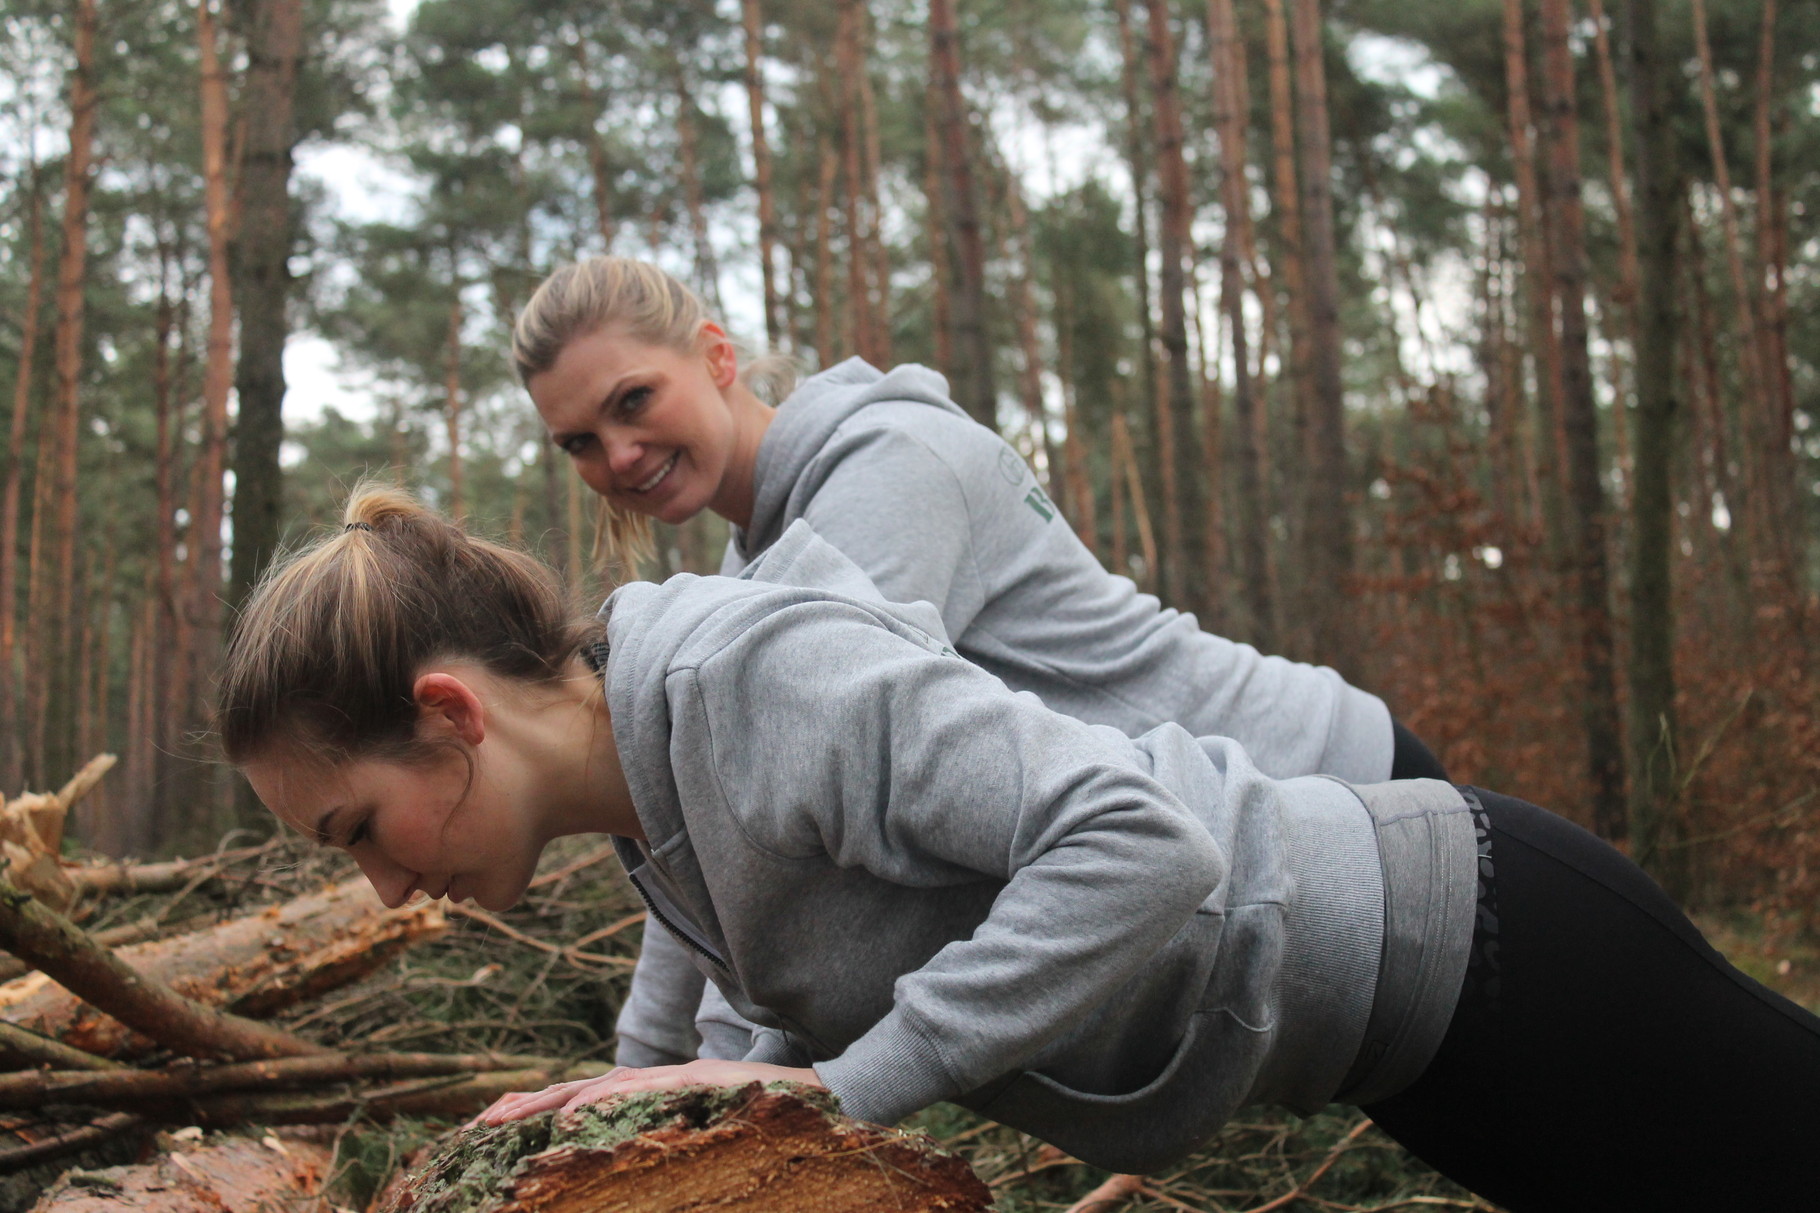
point(1137, 149)
point(1655, 835)
point(12, 749)
point(260, 255)
point(880, 306)
point(57, 623)
point(598, 166)
point(1184, 535)
point(1230, 111)
point(1544, 343)
point(965, 243)
point(753, 23)
point(1287, 210)
point(1328, 547)
point(451, 391)
point(1763, 463)
point(1605, 747)
point(935, 227)
point(1772, 323)
point(824, 254)
point(207, 490)
point(707, 267)
point(850, 65)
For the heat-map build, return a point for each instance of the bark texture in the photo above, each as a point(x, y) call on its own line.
point(764, 1149)
point(238, 1173)
point(253, 965)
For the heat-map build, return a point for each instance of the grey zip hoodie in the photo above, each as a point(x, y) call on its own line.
point(934, 888)
point(935, 507)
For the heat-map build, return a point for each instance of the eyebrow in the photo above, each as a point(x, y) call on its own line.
point(558, 437)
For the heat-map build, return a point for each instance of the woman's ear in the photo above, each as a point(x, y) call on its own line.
point(723, 359)
point(445, 701)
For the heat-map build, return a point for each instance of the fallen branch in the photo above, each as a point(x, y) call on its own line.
point(1114, 1192)
point(149, 927)
point(119, 1085)
point(455, 1097)
point(28, 1048)
point(253, 965)
point(569, 953)
point(120, 879)
point(1296, 1193)
point(232, 1174)
point(68, 956)
point(65, 1141)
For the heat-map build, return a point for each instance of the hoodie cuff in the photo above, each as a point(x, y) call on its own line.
point(887, 1074)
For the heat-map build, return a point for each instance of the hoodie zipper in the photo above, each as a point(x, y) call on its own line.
point(670, 926)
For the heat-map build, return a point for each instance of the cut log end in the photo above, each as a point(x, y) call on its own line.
point(776, 1148)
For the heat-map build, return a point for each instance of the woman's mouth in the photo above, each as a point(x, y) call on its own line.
point(656, 478)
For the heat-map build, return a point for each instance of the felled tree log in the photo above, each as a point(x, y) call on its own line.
point(270, 1175)
point(776, 1148)
point(253, 965)
point(31, 835)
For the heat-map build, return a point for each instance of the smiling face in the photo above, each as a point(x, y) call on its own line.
point(410, 826)
point(652, 429)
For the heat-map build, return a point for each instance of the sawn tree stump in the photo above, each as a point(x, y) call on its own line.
point(776, 1148)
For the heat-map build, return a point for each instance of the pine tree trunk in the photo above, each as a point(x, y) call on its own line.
point(1229, 110)
point(1653, 816)
point(1328, 548)
point(753, 23)
point(966, 246)
point(935, 228)
point(824, 254)
point(599, 169)
point(1287, 211)
point(707, 268)
point(1605, 752)
point(849, 66)
point(451, 392)
point(262, 281)
point(56, 623)
point(1184, 536)
point(1771, 325)
point(880, 306)
point(12, 749)
point(1763, 461)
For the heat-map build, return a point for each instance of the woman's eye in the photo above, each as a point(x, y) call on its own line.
point(360, 834)
point(634, 399)
point(574, 445)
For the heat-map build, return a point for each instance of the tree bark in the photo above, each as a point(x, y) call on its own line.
point(253, 965)
point(1600, 717)
point(12, 757)
point(451, 389)
point(227, 1173)
point(598, 168)
point(1328, 529)
point(1230, 117)
point(707, 267)
point(1653, 731)
point(753, 22)
point(850, 65)
point(1137, 162)
point(975, 388)
point(57, 657)
point(261, 249)
point(751, 1149)
point(1184, 505)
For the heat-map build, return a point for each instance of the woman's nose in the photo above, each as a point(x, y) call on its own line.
point(392, 882)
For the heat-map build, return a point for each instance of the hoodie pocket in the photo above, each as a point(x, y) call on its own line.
point(1205, 1081)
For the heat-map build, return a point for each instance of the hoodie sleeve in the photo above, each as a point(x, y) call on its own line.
point(899, 510)
point(923, 769)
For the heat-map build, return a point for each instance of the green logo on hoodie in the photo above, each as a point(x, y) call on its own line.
point(1039, 501)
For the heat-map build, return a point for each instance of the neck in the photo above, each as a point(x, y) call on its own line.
point(738, 487)
point(573, 743)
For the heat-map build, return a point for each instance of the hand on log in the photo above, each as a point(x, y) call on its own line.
point(759, 1148)
point(254, 965)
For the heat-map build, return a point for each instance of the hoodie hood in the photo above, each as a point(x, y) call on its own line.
point(808, 418)
point(655, 628)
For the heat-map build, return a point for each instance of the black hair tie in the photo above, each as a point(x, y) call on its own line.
point(357, 526)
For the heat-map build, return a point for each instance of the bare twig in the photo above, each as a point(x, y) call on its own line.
point(570, 954)
point(36, 1050)
point(1109, 1195)
point(17, 1158)
point(1294, 1194)
point(123, 878)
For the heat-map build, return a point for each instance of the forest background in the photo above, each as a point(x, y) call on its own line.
point(1468, 346)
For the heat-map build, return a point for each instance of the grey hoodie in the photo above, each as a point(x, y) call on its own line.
point(936, 508)
point(934, 888)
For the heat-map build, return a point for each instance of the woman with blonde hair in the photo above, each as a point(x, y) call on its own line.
point(922, 886)
point(644, 392)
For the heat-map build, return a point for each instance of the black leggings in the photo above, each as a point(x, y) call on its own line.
point(1410, 757)
point(1603, 1056)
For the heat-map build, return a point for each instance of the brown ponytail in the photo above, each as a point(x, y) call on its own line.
point(326, 652)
